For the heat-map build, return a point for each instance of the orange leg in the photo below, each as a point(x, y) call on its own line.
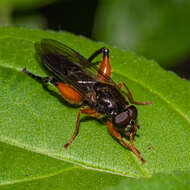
point(131, 96)
point(117, 135)
point(87, 111)
point(104, 71)
point(132, 135)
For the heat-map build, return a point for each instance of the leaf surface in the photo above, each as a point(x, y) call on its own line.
point(34, 124)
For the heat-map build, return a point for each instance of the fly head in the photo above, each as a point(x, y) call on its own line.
point(126, 122)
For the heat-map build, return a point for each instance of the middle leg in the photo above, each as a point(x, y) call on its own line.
point(132, 147)
point(89, 112)
point(130, 96)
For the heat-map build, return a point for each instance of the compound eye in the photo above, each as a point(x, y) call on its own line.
point(122, 119)
point(132, 112)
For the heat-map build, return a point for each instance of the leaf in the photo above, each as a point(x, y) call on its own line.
point(155, 29)
point(35, 124)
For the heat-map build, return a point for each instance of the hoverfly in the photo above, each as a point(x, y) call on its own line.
point(76, 81)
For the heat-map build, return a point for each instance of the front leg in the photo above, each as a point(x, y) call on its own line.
point(117, 135)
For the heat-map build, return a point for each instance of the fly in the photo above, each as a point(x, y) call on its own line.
point(74, 76)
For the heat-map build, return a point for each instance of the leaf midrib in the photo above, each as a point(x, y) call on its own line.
point(41, 151)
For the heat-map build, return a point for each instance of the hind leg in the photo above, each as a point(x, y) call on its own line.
point(67, 92)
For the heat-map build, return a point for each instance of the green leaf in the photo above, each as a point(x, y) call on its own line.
point(34, 124)
point(155, 29)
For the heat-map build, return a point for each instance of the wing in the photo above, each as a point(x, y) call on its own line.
point(49, 46)
point(56, 56)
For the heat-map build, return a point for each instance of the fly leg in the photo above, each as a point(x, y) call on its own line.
point(89, 112)
point(117, 135)
point(104, 71)
point(97, 52)
point(132, 135)
point(43, 80)
point(131, 96)
point(67, 92)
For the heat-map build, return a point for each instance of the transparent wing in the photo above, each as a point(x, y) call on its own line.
point(56, 56)
point(49, 46)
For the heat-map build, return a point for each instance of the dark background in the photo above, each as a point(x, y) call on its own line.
point(160, 30)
